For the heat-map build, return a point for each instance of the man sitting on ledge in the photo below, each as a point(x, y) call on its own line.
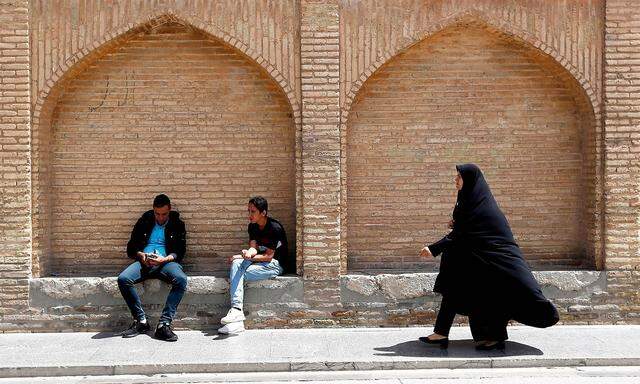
point(158, 243)
point(266, 258)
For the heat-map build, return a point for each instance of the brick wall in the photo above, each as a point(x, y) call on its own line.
point(316, 57)
point(195, 120)
point(15, 202)
point(466, 94)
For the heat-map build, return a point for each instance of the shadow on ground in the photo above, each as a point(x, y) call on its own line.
point(457, 348)
point(219, 336)
point(106, 335)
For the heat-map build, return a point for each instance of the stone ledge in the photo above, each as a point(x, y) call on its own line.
point(383, 288)
point(391, 288)
point(77, 291)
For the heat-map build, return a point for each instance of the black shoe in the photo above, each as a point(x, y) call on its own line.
point(443, 343)
point(164, 332)
point(499, 345)
point(135, 329)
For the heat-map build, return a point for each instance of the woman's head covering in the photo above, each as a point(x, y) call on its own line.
point(476, 210)
point(475, 189)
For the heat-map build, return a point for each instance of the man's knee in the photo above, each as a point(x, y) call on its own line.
point(180, 281)
point(124, 280)
point(236, 263)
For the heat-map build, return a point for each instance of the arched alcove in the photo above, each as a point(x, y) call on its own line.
point(470, 93)
point(165, 108)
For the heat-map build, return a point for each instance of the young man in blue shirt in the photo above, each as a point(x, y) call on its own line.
point(158, 244)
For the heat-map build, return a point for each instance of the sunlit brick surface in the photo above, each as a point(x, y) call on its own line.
point(168, 111)
point(464, 95)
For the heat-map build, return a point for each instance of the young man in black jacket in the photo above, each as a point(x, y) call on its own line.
point(158, 244)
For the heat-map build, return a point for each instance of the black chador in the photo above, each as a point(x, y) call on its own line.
point(482, 271)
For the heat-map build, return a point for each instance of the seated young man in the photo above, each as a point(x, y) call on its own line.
point(266, 258)
point(158, 243)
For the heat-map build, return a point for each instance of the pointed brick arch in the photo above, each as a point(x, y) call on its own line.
point(585, 96)
point(474, 16)
point(158, 17)
point(47, 99)
point(517, 34)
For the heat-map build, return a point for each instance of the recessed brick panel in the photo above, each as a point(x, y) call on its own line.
point(464, 95)
point(169, 111)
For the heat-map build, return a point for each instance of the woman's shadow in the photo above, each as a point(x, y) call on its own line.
point(457, 348)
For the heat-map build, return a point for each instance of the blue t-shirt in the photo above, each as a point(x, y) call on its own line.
point(156, 241)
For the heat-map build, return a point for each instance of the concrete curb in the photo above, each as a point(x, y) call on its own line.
point(301, 366)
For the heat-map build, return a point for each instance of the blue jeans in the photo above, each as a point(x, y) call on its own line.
point(244, 269)
point(170, 272)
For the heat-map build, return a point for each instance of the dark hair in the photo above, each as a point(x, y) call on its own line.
point(161, 200)
point(260, 203)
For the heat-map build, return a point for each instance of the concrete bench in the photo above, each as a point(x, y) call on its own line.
point(74, 291)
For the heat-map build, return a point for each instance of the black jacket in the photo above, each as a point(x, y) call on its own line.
point(174, 232)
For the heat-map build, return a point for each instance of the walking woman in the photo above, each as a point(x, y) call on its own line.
point(482, 272)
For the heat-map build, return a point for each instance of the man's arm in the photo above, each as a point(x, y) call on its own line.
point(252, 253)
point(134, 248)
point(264, 257)
point(180, 244)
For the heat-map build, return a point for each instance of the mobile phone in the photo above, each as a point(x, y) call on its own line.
point(152, 256)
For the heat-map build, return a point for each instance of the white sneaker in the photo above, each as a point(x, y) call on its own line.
point(232, 328)
point(233, 316)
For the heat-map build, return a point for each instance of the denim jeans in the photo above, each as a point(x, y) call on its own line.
point(170, 272)
point(244, 269)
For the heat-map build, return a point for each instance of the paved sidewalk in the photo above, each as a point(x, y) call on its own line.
point(284, 350)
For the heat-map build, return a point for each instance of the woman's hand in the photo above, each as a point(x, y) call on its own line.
point(426, 252)
point(451, 222)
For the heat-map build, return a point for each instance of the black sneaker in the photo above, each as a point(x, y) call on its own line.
point(135, 329)
point(164, 332)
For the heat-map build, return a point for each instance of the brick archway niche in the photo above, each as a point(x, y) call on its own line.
point(163, 108)
point(471, 93)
